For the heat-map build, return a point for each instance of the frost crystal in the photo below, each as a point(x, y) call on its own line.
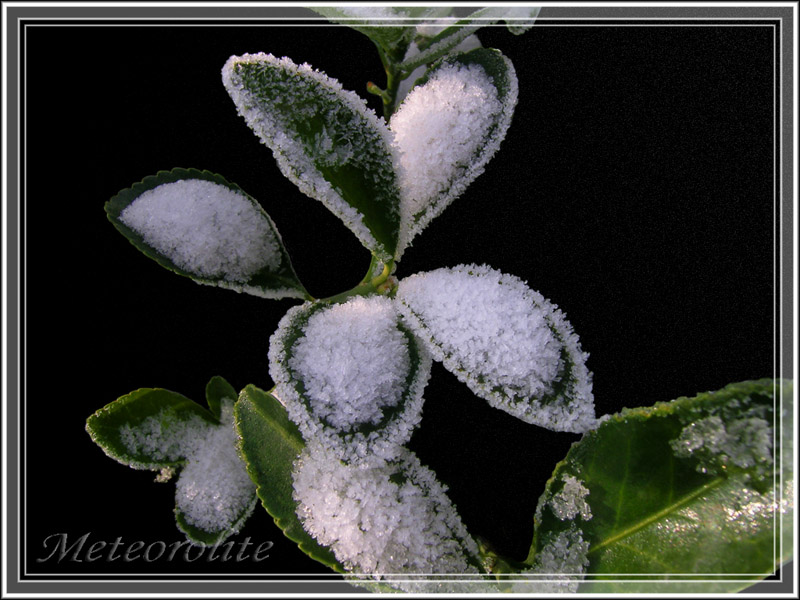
point(350, 376)
point(382, 518)
point(162, 436)
point(505, 341)
point(353, 362)
point(563, 559)
point(571, 500)
point(445, 132)
point(206, 229)
point(406, 84)
point(745, 443)
point(214, 492)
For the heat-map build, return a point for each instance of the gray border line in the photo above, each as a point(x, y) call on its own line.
point(788, 18)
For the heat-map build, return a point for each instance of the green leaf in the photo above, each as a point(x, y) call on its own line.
point(213, 232)
point(162, 413)
point(217, 390)
point(518, 20)
point(444, 142)
point(680, 491)
point(324, 139)
point(321, 351)
point(161, 430)
point(269, 443)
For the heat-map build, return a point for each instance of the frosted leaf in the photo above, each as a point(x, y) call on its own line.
point(324, 139)
point(558, 566)
point(570, 501)
point(382, 518)
point(716, 445)
point(445, 132)
point(162, 436)
point(206, 229)
point(509, 344)
point(199, 225)
point(350, 375)
point(214, 492)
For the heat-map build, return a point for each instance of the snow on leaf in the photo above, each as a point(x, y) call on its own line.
point(205, 228)
point(558, 565)
point(350, 374)
point(405, 86)
point(161, 430)
point(509, 344)
point(324, 139)
point(214, 493)
point(383, 518)
point(201, 226)
point(446, 130)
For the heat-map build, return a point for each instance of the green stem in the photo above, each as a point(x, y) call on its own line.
point(393, 78)
point(368, 286)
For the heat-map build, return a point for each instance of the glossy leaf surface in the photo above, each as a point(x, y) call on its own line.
point(680, 491)
point(269, 444)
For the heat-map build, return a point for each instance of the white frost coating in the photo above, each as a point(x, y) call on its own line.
point(570, 501)
point(563, 559)
point(214, 491)
point(162, 437)
point(445, 132)
point(206, 229)
point(353, 364)
point(405, 85)
point(504, 340)
point(296, 160)
point(381, 518)
point(745, 443)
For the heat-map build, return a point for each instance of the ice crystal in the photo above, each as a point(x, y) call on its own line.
point(558, 565)
point(745, 443)
point(570, 501)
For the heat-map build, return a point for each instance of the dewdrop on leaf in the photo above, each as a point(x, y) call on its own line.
point(350, 375)
point(509, 344)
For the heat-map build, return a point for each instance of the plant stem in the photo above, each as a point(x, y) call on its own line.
point(368, 286)
point(393, 78)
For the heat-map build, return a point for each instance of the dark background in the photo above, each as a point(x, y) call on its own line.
point(634, 190)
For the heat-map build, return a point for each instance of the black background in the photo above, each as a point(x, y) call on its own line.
point(634, 190)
